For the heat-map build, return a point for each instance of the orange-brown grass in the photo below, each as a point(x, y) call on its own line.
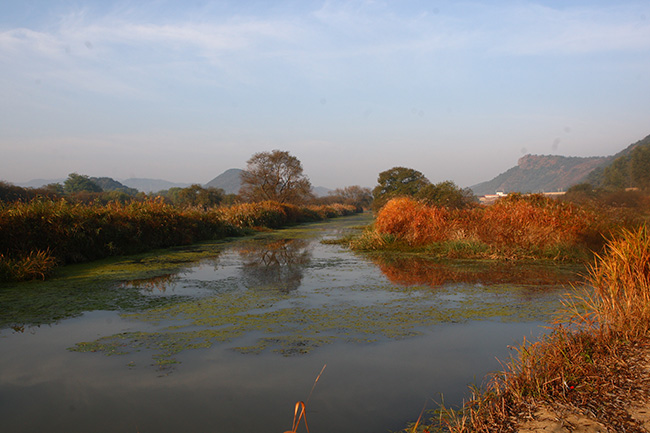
point(77, 232)
point(537, 223)
point(414, 222)
point(584, 365)
point(518, 226)
point(620, 301)
point(271, 214)
point(35, 265)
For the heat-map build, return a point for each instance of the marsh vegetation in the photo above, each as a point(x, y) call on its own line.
point(516, 227)
point(255, 319)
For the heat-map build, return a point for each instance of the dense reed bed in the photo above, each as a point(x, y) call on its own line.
point(39, 235)
point(589, 362)
point(516, 227)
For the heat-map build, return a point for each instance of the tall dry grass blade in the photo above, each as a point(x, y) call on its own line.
point(300, 406)
point(315, 382)
point(417, 423)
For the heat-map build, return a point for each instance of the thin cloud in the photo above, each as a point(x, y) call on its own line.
point(522, 28)
point(527, 28)
point(540, 30)
point(207, 37)
point(23, 42)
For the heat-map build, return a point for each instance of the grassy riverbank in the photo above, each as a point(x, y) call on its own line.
point(516, 227)
point(588, 365)
point(38, 236)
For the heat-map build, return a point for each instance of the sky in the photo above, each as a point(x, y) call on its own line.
point(184, 90)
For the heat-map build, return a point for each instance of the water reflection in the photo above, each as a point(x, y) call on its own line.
point(222, 391)
point(18, 328)
point(414, 271)
point(275, 264)
point(352, 304)
point(152, 284)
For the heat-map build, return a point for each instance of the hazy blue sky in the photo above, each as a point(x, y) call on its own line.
point(183, 90)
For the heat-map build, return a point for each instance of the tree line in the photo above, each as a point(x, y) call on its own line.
point(269, 176)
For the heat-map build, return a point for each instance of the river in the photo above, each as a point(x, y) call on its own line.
point(228, 336)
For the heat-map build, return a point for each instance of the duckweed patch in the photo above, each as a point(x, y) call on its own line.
point(289, 345)
point(292, 325)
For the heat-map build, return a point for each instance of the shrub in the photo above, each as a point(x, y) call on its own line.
point(517, 226)
point(534, 223)
point(413, 222)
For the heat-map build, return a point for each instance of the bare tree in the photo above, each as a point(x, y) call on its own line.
point(354, 195)
point(276, 176)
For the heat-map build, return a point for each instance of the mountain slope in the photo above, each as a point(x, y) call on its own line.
point(152, 185)
point(542, 173)
point(37, 183)
point(229, 181)
point(548, 173)
point(109, 184)
point(629, 168)
point(321, 191)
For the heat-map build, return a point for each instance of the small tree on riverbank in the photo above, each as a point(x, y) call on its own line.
point(407, 182)
point(395, 182)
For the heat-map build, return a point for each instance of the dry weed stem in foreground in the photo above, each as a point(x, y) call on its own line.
point(300, 410)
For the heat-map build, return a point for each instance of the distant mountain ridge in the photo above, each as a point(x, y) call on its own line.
point(542, 173)
point(321, 191)
point(229, 181)
point(549, 173)
point(152, 185)
point(37, 183)
point(109, 184)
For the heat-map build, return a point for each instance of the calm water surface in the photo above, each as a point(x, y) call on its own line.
point(231, 342)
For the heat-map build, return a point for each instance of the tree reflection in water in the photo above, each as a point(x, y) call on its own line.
point(151, 284)
point(277, 264)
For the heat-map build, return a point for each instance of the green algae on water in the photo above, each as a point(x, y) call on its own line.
point(294, 325)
